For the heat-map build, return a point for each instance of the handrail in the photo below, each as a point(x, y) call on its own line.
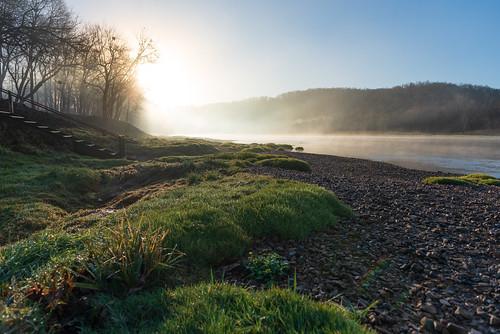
point(57, 112)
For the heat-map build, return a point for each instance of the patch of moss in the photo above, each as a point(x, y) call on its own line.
point(286, 163)
point(466, 180)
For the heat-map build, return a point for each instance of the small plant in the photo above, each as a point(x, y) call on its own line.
point(299, 149)
point(212, 176)
point(267, 268)
point(128, 257)
point(194, 178)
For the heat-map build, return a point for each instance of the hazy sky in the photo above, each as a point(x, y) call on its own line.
point(226, 50)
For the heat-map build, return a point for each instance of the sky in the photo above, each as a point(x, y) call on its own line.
point(214, 51)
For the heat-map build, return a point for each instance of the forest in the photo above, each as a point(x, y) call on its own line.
point(417, 107)
point(47, 55)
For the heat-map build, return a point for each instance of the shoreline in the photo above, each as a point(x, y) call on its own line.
point(427, 253)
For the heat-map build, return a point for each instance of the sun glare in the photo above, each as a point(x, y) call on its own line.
point(167, 82)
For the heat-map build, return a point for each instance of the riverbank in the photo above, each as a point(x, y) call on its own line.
point(87, 245)
point(427, 253)
point(463, 154)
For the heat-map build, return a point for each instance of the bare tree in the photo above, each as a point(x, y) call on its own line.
point(10, 32)
point(47, 33)
point(90, 70)
point(115, 66)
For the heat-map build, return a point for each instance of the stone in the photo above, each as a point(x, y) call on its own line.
point(463, 313)
point(427, 324)
point(444, 302)
point(494, 321)
point(455, 329)
point(429, 308)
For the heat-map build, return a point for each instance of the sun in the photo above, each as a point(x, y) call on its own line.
point(167, 83)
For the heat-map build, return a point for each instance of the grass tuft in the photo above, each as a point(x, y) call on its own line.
point(286, 163)
point(221, 308)
point(128, 257)
point(466, 180)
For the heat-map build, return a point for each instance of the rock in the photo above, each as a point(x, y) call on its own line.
point(426, 324)
point(439, 325)
point(463, 313)
point(429, 308)
point(494, 321)
point(455, 329)
point(474, 331)
point(444, 302)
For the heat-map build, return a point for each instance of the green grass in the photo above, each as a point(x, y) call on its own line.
point(466, 180)
point(222, 308)
point(215, 221)
point(211, 222)
point(260, 148)
point(37, 190)
point(267, 268)
point(125, 263)
point(286, 163)
point(37, 254)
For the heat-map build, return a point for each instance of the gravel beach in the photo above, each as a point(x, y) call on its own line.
point(429, 255)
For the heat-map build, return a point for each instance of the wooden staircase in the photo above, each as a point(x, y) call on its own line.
point(77, 145)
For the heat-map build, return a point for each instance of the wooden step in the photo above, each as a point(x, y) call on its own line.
point(90, 145)
point(67, 136)
point(30, 122)
point(16, 117)
point(42, 127)
point(55, 132)
point(5, 113)
point(78, 141)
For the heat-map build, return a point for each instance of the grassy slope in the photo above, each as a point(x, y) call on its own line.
point(212, 220)
point(216, 220)
point(221, 308)
point(466, 180)
point(38, 190)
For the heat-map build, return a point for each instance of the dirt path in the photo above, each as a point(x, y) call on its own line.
point(429, 254)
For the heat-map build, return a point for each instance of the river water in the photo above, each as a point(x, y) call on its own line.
point(458, 154)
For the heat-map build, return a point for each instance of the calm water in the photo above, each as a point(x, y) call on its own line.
point(459, 154)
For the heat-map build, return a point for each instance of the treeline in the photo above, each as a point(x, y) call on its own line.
point(47, 55)
point(420, 107)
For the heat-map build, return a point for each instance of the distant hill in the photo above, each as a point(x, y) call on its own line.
point(422, 107)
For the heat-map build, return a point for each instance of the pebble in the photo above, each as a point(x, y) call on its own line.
point(426, 324)
point(494, 320)
point(463, 312)
point(456, 329)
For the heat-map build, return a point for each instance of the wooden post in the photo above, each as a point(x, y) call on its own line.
point(11, 103)
point(121, 146)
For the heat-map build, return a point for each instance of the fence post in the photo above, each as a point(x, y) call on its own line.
point(11, 103)
point(121, 146)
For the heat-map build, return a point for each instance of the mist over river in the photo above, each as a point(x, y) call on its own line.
point(457, 154)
